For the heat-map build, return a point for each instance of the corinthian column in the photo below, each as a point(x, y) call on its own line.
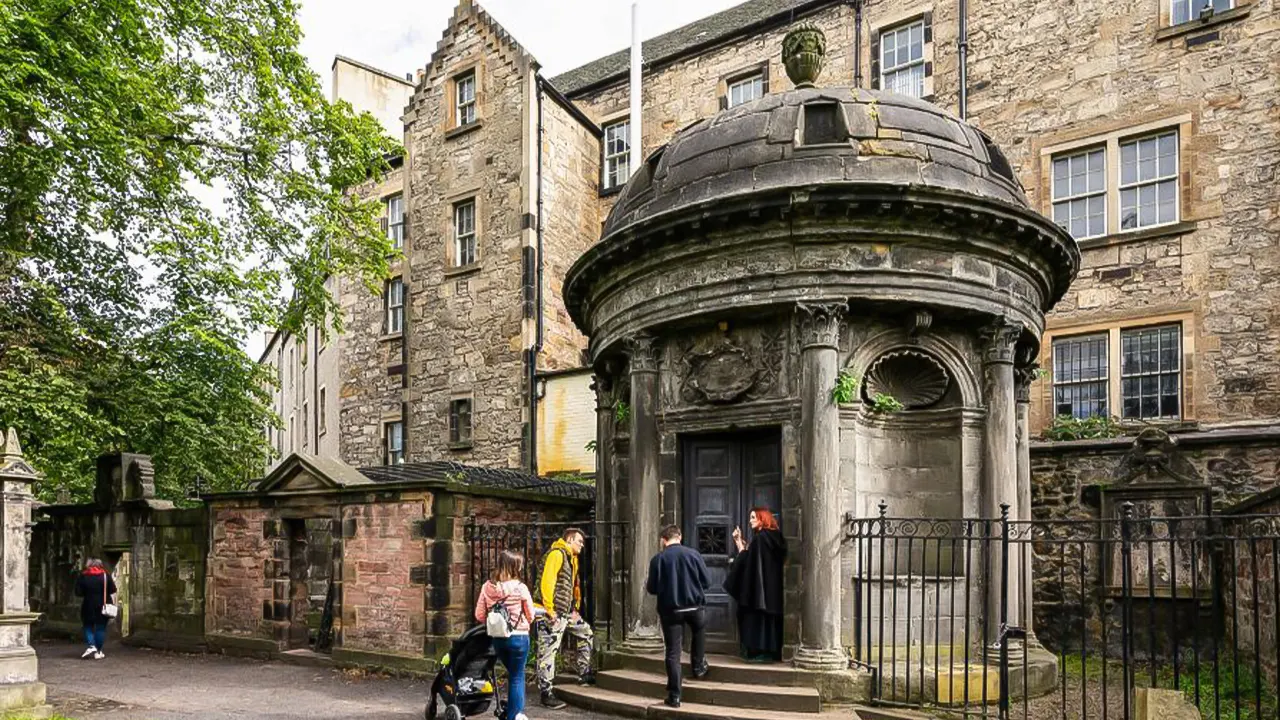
point(820, 647)
point(643, 632)
point(1023, 375)
point(999, 466)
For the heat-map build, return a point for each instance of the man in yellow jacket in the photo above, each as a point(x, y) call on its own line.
point(560, 594)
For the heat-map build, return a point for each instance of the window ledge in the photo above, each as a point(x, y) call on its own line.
point(608, 192)
point(388, 337)
point(1215, 20)
point(460, 270)
point(1133, 236)
point(457, 446)
point(462, 129)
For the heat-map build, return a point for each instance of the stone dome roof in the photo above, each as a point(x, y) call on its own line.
point(816, 137)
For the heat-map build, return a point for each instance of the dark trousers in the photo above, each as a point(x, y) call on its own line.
point(673, 637)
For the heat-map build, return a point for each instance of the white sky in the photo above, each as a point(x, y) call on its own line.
point(399, 35)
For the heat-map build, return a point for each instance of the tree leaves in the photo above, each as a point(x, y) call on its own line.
point(166, 167)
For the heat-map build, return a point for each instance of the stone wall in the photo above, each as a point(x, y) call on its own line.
point(239, 598)
point(1253, 592)
point(382, 607)
point(466, 331)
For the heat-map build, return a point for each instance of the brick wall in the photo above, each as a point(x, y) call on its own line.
point(239, 599)
point(382, 607)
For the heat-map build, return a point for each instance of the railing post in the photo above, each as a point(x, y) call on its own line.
point(470, 536)
point(1002, 637)
point(1126, 607)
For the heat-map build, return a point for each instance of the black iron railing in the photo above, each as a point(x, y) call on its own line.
point(1068, 619)
point(601, 566)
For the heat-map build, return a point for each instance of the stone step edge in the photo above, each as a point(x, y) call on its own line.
point(712, 683)
point(600, 700)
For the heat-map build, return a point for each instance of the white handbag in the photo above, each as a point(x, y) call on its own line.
point(108, 609)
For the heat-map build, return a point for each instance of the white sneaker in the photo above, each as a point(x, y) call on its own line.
point(521, 716)
point(88, 651)
point(99, 655)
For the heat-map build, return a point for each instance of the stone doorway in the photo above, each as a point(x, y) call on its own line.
point(310, 575)
point(724, 477)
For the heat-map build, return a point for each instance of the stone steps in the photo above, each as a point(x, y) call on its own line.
point(712, 690)
point(722, 666)
point(602, 700)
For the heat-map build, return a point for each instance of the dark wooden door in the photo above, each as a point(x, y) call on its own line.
point(724, 477)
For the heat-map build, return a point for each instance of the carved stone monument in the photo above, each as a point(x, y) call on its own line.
point(21, 692)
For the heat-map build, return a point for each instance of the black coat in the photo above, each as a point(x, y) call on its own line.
point(89, 587)
point(755, 577)
point(678, 576)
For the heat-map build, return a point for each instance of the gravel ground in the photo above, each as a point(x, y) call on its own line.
point(141, 684)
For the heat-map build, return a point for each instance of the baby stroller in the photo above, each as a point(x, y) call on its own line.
point(466, 683)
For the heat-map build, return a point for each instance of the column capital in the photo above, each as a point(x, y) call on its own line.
point(1023, 376)
point(999, 338)
point(820, 324)
point(643, 351)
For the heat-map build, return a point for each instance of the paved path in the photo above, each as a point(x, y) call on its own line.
point(141, 684)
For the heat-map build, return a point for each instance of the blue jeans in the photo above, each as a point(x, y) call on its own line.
point(95, 635)
point(514, 654)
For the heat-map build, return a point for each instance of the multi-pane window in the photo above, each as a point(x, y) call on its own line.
point(465, 98)
point(321, 423)
point(744, 90)
point(1080, 376)
point(394, 442)
point(395, 306)
point(395, 221)
point(1187, 10)
point(305, 435)
point(1151, 372)
point(617, 150)
point(464, 233)
point(1149, 181)
point(460, 421)
point(1080, 193)
point(902, 59)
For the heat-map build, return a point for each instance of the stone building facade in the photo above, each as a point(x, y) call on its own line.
point(1177, 245)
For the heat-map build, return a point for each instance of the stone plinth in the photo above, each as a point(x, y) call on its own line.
point(21, 692)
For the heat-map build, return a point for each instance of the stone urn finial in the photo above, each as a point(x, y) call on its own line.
point(803, 50)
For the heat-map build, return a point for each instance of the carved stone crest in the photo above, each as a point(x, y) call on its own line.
point(1155, 457)
point(722, 369)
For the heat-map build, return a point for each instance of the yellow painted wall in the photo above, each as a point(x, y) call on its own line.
point(566, 423)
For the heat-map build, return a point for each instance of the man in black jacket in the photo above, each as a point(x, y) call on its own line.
point(678, 576)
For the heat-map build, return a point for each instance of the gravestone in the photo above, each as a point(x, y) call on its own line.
point(21, 692)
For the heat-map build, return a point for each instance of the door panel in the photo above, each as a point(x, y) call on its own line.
point(724, 477)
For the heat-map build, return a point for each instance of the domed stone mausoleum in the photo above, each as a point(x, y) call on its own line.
point(814, 239)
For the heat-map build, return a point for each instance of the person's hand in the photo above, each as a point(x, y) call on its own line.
point(574, 616)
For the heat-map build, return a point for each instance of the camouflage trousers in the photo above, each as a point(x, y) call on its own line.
point(550, 635)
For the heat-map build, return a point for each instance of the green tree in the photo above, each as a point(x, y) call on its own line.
point(166, 166)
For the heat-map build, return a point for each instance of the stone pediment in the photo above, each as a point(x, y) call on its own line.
point(301, 472)
point(1156, 458)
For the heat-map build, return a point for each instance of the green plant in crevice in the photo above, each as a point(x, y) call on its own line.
point(590, 446)
point(621, 412)
point(885, 404)
point(846, 388)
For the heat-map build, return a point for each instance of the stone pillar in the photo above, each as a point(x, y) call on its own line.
point(607, 547)
point(21, 692)
point(644, 523)
point(999, 465)
point(1023, 376)
point(820, 529)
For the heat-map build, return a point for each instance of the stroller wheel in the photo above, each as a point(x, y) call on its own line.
point(453, 712)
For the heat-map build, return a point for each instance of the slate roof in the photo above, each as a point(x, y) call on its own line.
point(747, 17)
point(478, 477)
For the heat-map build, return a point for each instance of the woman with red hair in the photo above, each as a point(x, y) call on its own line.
point(755, 583)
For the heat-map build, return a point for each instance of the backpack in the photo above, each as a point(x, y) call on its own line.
point(498, 623)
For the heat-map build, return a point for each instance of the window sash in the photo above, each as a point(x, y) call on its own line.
point(1081, 376)
point(1079, 187)
point(395, 442)
point(1151, 373)
point(1148, 182)
point(460, 421)
point(902, 59)
point(395, 306)
point(395, 221)
point(465, 87)
point(745, 90)
point(1182, 11)
point(464, 233)
point(617, 154)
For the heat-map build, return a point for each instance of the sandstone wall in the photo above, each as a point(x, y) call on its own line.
point(382, 608)
point(466, 326)
point(238, 598)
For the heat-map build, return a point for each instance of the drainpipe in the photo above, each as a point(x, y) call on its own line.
point(963, 47)
point(537, 342)
point(857, 43)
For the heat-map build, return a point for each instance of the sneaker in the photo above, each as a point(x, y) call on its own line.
point(88, 651)
point(701, 671)
point(551, 702)
point(99, 655)
point(587, 678)
point(521, 716)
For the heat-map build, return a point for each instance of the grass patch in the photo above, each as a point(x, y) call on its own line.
point(1228, 686)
